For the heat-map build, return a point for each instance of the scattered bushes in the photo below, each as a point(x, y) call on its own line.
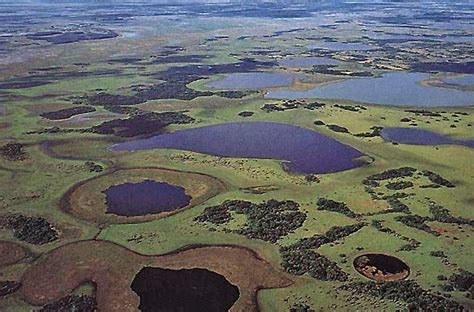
point(416, 298)
point(13, 152)
point(72, 303)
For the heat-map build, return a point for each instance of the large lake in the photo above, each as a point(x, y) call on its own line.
point(421, 137)
point(301, 150)
point(253, 81)
point(399, 89)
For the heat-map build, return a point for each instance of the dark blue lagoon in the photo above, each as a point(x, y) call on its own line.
point(398, 88)
point(421, 137)
point(147, 197)
point(253, 81)
point(302, 150)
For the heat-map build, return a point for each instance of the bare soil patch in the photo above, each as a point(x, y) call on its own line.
point(87, 199)
point(11, 253)
point(112, 268)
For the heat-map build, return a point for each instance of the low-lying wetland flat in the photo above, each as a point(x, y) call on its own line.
point(237, 156)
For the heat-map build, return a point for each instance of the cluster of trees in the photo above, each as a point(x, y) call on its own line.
point(93, 167)
point(443, 215)
point(267, 221)
point(142, 124)
point(299, 262)
point(327, 70)
point(351, 108)
point(246, 114)
point(423, 112)
point(301, 307)
point(417, 222)
point(396, 206)
point(13, 152)
point(391, 174)
point(67, 112)
point(437, 179)
point(337, 128)
point(291, 104)
point(409, 292)
point(463, 281)
point(314, 105)
point(331, 205)
point(376, 132)
point(81, 303)
point(33, 230)
point(400, 185)
point(333, 234)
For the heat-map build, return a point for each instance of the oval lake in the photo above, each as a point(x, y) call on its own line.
point(146, 197)
point(302, 150)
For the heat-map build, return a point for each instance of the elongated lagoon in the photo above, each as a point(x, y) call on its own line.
point(398, 89)
point(421, 137)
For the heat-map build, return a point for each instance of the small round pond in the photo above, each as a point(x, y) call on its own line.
point(183, 290)
point(380, 267)
point(147, 197)
point(302, 150)
point(421, 137)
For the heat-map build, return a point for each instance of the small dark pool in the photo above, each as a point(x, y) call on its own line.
point(147, 197)
point(183, 290)
point(303, 150)
point(420, 137)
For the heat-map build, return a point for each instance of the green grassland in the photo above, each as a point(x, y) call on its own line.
point(34, 186)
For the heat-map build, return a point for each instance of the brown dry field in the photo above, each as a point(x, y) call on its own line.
point(11, 253)
point(112, 268)
point(87, 201)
